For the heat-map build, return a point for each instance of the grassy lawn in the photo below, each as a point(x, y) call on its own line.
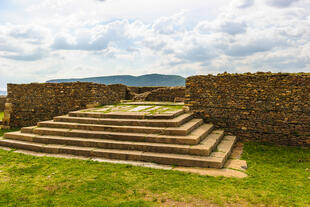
point(278, 176)
point(1, 115)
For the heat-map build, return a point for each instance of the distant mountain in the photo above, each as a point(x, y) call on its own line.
point(143, 80)
point(2, 93)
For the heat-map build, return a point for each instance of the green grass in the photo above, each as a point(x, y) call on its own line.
point(1, 115)
point(2, 131)
point(278, 176)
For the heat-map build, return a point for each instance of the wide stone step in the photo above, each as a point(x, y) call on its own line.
point(126, 115)
point(193, 138)
point(175, 122)
point(215, 159)
point(202, 149)
point(182, 130)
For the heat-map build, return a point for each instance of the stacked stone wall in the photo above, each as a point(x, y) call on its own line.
point(264, 107)
point(121, 90)
point(143, 89)
point(170, 94)
point(2, 102)
point(29, 103)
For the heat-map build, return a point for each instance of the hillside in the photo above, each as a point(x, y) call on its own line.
point(143, 80)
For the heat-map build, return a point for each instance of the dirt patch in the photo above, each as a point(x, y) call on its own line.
point(234, 167)
point(237, 151)
point(214, 172)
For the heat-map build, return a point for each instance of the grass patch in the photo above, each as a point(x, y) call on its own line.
point(278, 176)
point(2, 131)
point(1, 115)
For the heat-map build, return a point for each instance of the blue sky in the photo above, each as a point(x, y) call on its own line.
point(47, 39)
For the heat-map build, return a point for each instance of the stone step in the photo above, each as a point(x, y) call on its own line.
point(203, 149)
point(126, 115)
point(182, 130)
point(191, 139)
point(215, 159)
point(175, 122)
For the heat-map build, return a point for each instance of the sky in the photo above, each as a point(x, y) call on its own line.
point(48, 39)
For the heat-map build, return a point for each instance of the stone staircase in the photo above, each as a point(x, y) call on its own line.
point(172, 139)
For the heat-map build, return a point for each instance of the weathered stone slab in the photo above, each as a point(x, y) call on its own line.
point(139, 108)
point(152, 108)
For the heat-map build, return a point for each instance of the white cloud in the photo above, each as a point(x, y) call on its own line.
point(62, 39)
point(242, 4)
point(35, 34)
point(251, 46)
point(169, 25)
point(24, 42)
point(281, 3)
point(95, 38)
point(233, 27)
point(37, 54)
point(225, 25)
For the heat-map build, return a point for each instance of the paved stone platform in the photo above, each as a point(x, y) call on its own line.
point(145, 108)
point(162, 134)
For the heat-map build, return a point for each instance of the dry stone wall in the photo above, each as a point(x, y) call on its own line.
point(264, 107)
point(170, 94)
point(2, 102)
point(143, 89)
point(122, 90)
point(29, 103)
point(166, 94)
